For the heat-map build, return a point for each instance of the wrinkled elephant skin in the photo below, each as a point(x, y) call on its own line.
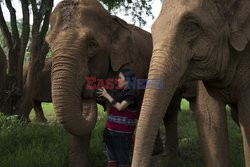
point(207, 41)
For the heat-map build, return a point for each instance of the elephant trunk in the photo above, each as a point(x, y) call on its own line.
point(77, 115)
point(163, 66)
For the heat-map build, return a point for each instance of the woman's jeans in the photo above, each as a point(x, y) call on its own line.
point(118, 146)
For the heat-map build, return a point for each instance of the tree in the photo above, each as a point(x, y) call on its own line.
point(17, 45)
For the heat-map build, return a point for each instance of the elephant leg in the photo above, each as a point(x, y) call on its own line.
point(244, 121)
point(212, 128)
point(192, 103)
point(170, 123)
point(79, 151)
point(171, 135)
point(39, 112)
point(158, 147)
point(25, 115)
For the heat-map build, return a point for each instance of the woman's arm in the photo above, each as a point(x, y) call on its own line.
point(119, 106)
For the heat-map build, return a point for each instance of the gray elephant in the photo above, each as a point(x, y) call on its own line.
point(200, 40)
point(87, 41)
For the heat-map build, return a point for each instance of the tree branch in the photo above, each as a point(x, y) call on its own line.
point(36, 18)
point(47, 13)
point(14, 28)
point(24, 40)
point(26, 26)
point(5, 30)
point(43, 7)
point(34, 7)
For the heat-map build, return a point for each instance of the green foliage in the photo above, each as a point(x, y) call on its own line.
point(139, 10)
point(184, 105)
point(7, 124)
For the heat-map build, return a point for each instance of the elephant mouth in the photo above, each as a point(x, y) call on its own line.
point(87, 92)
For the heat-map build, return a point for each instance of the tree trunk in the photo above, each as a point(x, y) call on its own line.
point(16, 50)
point(39, 51)
point(2, 73)
point(12, 93)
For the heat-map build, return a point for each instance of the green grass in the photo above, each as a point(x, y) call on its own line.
point(42, 145)
point(23, 145)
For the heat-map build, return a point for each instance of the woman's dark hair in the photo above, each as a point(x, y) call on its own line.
point(128, 73)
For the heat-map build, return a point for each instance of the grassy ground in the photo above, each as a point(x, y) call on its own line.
point(43, 145)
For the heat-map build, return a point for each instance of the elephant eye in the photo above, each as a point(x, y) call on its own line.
point(92, 47)
point(92, 44)
point(191, 30)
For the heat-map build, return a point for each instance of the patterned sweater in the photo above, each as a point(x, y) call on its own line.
point(124, 121)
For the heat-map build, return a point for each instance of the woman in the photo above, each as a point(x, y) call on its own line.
point(121, 120)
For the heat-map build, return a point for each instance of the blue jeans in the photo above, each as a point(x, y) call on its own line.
point(118, 146)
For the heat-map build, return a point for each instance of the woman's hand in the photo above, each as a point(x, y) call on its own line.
point(103, 93)
point(119, 106)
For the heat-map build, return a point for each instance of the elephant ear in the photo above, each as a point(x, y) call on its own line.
point(122, 44)
point(240, 24)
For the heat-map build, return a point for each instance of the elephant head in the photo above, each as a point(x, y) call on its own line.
point(191, 40)
point(86, 41)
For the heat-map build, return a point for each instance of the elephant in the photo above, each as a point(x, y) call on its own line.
point(43, 91)
point(206, 41)
point(86, 42)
